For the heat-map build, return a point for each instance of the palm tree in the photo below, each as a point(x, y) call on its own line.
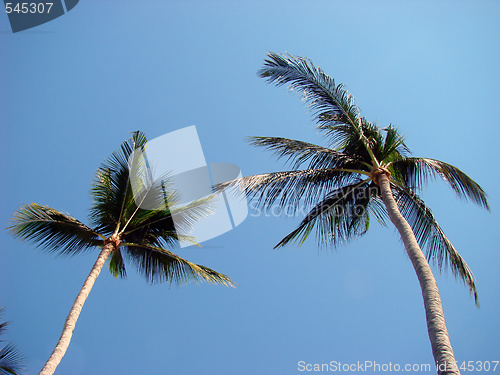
point(11, 360)
point(120, 229)
point(366, 171)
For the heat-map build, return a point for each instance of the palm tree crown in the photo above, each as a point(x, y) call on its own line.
point(340, 180)
point(142, 237)
point(364, 172)
point(121, 229)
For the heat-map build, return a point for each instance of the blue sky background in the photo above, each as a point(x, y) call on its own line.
point(73, 89)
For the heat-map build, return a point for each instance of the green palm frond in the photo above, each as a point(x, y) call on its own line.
point(117, 265)
point(334, 110)
point(164, 228)
point(187, 215)
point(11, 361)
point(144, 211)
point(153, 225)
point(53, 230)
point(108, 192)
point(299, 152)
point(331, 103)
point(111, 190)
point(159, 265)
point(394, 146)
point(341, 216)
point(3, 326)
point(129, 201)
point(414, 172)
point(356, 141)
point(291, 188)
point(431, 237)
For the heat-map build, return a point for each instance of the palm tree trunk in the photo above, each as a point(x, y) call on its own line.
point(438, 334)
point(69, 324)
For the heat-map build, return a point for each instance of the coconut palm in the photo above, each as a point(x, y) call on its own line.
point(120, 229)
point(11, 360)
point(364, 172)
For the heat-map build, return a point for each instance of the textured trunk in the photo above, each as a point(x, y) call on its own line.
point(69, 324)
point(438, 334)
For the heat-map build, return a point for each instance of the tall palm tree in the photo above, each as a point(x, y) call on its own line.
point(120, 229)
point(11, 360)
point(366, 171)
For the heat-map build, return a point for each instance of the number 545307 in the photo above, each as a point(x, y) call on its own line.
point(28, 7)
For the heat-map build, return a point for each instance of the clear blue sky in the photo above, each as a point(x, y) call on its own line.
point(73, 89)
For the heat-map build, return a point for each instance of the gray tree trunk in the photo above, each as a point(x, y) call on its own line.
point(436, 327)
point(69, 324)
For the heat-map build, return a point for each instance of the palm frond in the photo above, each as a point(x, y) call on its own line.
point(341, 216)
point(53, 230)
point(117, 265)
point(333, 107)
point(290, 189)
point(394, 145)
point(11, 361)
point(3, 327)
point(164, 228)
point(355, 141)
point(299, 153)
point(153, 225)
point(111, 190)
point(331, 103)
point(186, 216)
point(414, 172)
point(431, 237)
point(159, 265)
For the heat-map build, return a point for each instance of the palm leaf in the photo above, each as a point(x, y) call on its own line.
point(116, 265)
point(299, 152)
point(414, 172)
point(113, 199)
point(341, 216)
point(355, 141)
point(330, 103)
point(3, 326)
point(130, 202)
point(431, 237)
point(394, 146)
point(291, 188)
point(164, 228)
point(158, 265)
point(53, 230)
point(11, 361)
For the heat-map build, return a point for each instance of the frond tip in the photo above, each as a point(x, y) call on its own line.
point(330, 103)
